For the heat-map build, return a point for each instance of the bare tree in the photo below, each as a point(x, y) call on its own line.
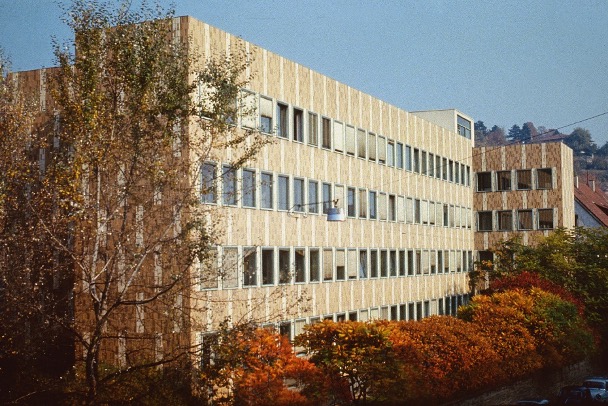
point(109, 217)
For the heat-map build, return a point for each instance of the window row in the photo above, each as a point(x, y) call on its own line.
point(234, 267)
point(509, 220)
point(522, 179)
point(403, 311)
point(251, 188)
point(298, 125)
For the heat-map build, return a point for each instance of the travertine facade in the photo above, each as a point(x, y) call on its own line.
point(524, 190)
point(412, 175)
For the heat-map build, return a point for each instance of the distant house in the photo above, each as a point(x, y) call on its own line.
point(548, 136)
point(590, 204)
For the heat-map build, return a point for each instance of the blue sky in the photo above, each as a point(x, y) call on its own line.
point(503, 62)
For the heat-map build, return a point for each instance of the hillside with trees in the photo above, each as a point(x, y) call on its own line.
point(589, 159)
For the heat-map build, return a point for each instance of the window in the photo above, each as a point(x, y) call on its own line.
point(410, 262)
point(362, 263)
point(373, 214)
point(361, 144)
point(409, 210)
point(440, 261)
point(401, 209)
point(326, 197)
point(416, 160)
point(417, 211)
point(484, 181)
point(484, 221)
point(505, 220)
point(249, 188)
point(362, 203)
point(371, 146)
point(418, 262)
point(340, 265)
point(313, 196)
point(524, 179)
point(438, 167)
point(350, 140)
point(446, 215)
point(425, 262)
point(328, 265)
point(383, 263)
point(408, 158)
point(283, 193)
point(266, 190)
point(338, 136)
point(524, 220)
point(313, 129)
point(284, 266)
point(267, 266)
point(339, 196)
point(433, 260)
point(299, 262)
point(208, 177)
point(452, 216)
point(399, 155)
point(446, 261)
point(382, 205)
point(431, 170)
point(298, 125)
point(373, 263)
point(228, 185)
point(249, 266)
point(390, 153)
point(445, 168)
point(392, 208)
point(451, 171)
point(462, 175)
point(298, 195)
point(266, 115)
point(545, 219)
point(432, 213)
point(503, 180)
point(351, 202)
point(423, 163)
point(463, 126)
point(544, 178)
point(381, 149)
point(282, 120)
point(314, 273)
point(456, 172)
point(392, 263)
point(402, 263)
point(352, 263)
point(230, 268)
point(326, 133)
point(424, 212)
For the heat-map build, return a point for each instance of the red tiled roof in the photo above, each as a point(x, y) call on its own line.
point(550, 136)
point(595, 202)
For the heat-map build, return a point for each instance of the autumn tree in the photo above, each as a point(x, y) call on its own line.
point(32, 345)
point(443, 357)
point(247, 365)
point(108, 216)
point(355, 356)
point(572, 259)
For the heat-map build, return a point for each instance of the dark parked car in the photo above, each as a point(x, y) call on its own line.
point(574, 395)
point(532, 401)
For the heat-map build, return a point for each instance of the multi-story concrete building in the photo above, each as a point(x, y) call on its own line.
point(414, 208)
point(403, 180)
point(524, 190)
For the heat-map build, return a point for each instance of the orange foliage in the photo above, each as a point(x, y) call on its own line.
point(505, 318)
point(444, 356)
